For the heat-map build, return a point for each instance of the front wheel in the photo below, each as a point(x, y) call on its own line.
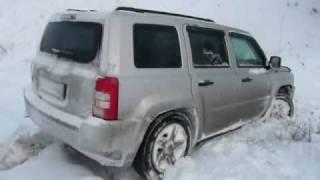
point(282, 107)
point(166, 141)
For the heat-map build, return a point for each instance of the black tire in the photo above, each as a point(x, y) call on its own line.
point(143, 160)
point(289, 100)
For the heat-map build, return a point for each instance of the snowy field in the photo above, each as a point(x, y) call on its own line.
point(267, 149)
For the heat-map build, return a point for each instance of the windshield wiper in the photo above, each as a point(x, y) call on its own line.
point(62, 53)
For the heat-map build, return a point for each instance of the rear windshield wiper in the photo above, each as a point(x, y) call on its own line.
point(62, 53)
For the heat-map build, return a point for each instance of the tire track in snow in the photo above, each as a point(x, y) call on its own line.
point(22, 147)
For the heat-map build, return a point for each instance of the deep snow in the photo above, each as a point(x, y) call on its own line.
point(270, 149)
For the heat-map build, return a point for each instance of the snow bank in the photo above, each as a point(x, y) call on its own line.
point(54, 162)
point(272, 149)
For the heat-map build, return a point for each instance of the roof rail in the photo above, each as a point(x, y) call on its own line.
point(81, 10)
point(160, 12)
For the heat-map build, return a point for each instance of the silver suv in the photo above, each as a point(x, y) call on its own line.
point(143, 87)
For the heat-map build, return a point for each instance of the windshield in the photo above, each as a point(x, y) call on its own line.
point(79, 41)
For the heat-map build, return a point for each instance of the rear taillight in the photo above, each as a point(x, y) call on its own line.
point(106, 98)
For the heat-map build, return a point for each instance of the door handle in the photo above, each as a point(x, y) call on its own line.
point(247, 79)
point(205, 83)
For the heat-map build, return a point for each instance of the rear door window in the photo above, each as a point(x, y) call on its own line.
point(78, 41)
point(156, 46)
point(208, 47)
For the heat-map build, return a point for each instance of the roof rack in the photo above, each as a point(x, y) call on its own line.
point(160, 12)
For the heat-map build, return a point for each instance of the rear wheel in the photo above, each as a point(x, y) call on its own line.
point(167, 140)
point(282, 107)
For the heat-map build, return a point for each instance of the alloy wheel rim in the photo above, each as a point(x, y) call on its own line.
point(281, 109)
point(169, 146)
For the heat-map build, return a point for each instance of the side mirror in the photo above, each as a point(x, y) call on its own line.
point(275, 62)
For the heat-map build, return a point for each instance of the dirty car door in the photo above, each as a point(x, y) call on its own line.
point(254, 77)
point(214, 82)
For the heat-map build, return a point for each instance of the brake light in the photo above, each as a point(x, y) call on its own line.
point(106, 98)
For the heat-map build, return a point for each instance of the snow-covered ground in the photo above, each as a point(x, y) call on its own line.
point(268, 149)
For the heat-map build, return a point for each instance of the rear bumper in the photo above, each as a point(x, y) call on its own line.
point(111, 143)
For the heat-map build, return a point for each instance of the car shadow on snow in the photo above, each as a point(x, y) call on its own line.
point(107, 173)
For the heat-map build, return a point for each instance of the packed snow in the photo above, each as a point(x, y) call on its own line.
point(266, 149)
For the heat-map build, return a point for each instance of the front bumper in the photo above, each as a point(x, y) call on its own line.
point(111, 143)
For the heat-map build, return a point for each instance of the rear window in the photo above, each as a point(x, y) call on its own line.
point(156, 46)
point(78, 41)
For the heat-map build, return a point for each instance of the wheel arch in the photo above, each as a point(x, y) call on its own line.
point(286, 89)
point(186, 113)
